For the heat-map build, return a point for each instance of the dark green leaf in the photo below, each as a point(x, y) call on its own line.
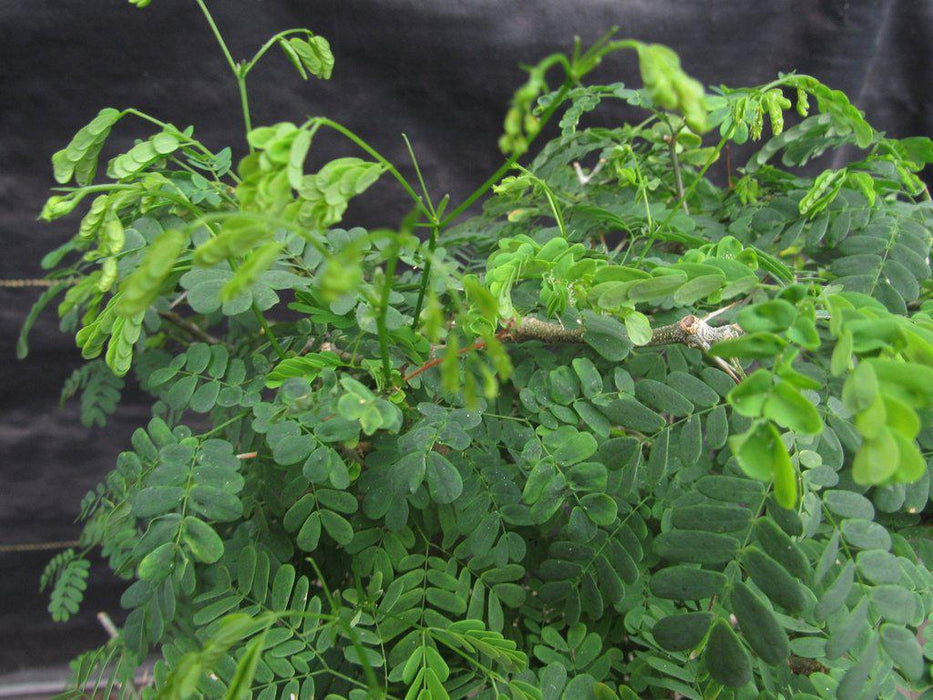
point(681, 632)
point(726, 659)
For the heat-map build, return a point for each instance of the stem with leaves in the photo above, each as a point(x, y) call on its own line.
point(236, 68)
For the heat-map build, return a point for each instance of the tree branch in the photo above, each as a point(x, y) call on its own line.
point(691, 331)
point(694, 332)
point(530, 328)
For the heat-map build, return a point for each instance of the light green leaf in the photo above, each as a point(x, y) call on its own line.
point(787, 407)
point(241, 683)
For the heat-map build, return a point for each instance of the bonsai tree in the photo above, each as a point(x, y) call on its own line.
point(626, 433)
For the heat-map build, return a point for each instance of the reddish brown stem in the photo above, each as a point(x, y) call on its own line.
point(478, 345)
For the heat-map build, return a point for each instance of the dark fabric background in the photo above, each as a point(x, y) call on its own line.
point(441, 71)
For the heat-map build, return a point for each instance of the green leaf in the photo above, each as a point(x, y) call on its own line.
point(205, 544)
point(901, 645)
point(754, 346)
point(686, 583)
point(762, 455)
point(681, 632)
point(142, 156)
point(564, 385)
point(141, 288)
point(782, 548)
point(726, 658)
point(759, 626)
point(296, 157)
point(307, 366)
point(669, 87)
point(337, 527)
point(606, 336)
point(710, 518)
point(600, 508)
point(22, 344)
point(591, 381)
point(835, 595)
point(846, 634)
point(691, 440)
point(693, 389)
point(878, 566)
point(568, 446)
point(238, 236)
point(774, 580)
point(732, 489)
point(848, 504)
point(896, 604)
point(877, 459)
point(310, 533)
point(771, 316)
point(656, 288)
point(248, 272)
point(855, 678)
point(787, 407)
point(629, 413)
point(865, 534)
point(748, 398)
point(444, 481)
point(241, 683)
point(638, 328)
point(695, 547)
point(326, 194)
point(698, 288)
point(661, 397)
point(79, 158)
point(158, 564)
point(313, 55)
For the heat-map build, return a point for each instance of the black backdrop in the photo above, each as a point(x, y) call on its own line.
point(441, 71)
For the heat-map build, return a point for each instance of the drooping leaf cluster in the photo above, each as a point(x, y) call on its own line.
point(626, 433)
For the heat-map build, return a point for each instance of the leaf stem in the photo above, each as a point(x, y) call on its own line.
point(678, 179)
point(237, 69)
point(244, 106)
point(218, 36)
point(384, 310)
point(267, 330)
point(247, 67)
point(426, 275)
point(507, 165)
point(341, 129)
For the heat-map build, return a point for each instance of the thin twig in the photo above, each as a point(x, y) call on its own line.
point(34, 282)
point(478, 345)
point(181, 298)
point(189, 327)
point(691, 331)
point(677, 176)
point(582, 177)
point(38, 546)
point(110, 628)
